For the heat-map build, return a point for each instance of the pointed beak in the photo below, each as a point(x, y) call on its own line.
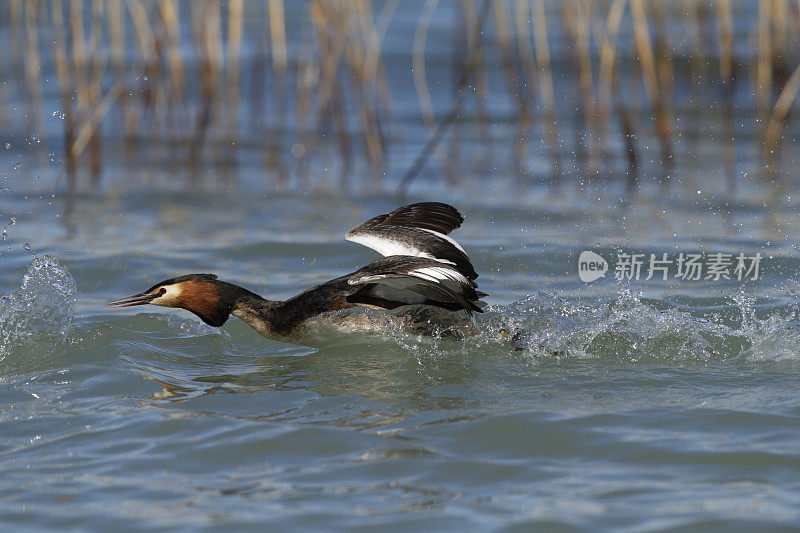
point(136, 299)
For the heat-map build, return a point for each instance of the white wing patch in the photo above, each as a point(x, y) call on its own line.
point(444, 275)
point(438, 274)
point(420, 285)
point(386, 246)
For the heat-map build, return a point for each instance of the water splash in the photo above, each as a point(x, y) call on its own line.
point(36, 318)
point(626, 327)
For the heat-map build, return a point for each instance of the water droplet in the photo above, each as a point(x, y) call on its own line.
point(27, 246)
point(298, 150)
point(8, 146)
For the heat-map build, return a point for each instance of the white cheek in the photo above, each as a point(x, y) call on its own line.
point(168, 299)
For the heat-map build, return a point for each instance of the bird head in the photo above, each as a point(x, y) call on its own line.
point(202, 294)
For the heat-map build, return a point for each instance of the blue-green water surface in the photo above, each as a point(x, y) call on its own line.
point(645, 405)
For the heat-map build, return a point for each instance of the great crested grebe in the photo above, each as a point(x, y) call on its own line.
point(421, 266)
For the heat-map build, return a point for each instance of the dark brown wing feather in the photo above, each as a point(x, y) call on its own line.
point(347, 291)
point(396, 280)
point(435, 216)
point(408, 230)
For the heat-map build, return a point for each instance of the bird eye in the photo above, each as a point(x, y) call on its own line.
point(162, 291)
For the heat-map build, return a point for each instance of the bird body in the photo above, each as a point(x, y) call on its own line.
point(422, 267)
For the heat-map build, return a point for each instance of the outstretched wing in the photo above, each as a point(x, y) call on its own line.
point(403, 280)
point(417, 230)
point(434, 216)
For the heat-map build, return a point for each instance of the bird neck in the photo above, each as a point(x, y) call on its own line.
point(284, 320)
point(261, 314)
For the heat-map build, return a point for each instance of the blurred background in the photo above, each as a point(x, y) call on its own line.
point(344, 95)
point(144, 139)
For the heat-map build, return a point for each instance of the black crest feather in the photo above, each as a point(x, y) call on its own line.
point(181, 279)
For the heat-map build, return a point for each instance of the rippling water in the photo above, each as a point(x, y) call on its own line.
point(647, 405)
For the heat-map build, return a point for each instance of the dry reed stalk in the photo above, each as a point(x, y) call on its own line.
point(168, 11)
point(725, 38)
point(473, 21)
point(515, 86)
point(33, 68)
point(697, 13)
point(78, 50)
point(629, 140)
point(207, 36)
point(276, 30)
point(524, 21)
point(352, 58)
point(366, 84)
point(146, 41)
point(332, 42)
point(664, 107)
point(98, 63)
point(458, 58)
point(257, 70)
point(234, 52)
point(763, 64)
point(65, 86)
point(16, 22)
point(608, 80)
point(644, 47)
point(583, 53)
point(608, 52)
point(277, 34)
point(117, 39)
point(663, 56)
point(778, 117)
point(94, 86)
point(794, 19)
point(569, 29)
point(780, 40)
point(320, 72)
point(418, 65)
point(348, 84)
point(32, 84)
point(651, 79)
point(233, 55)
point(455, 107)
point(358, 19)
point(156, 82)
point(82, 75)
point(329, 23)
point(91, 123)
point(546, 91)
point(374, 64)
point(375, 72)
